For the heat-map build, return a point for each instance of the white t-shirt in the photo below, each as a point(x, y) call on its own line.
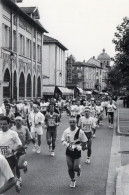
point(87, 124)
point(5, 171)
point(9, 140)
point(68, 135)
point(111, 107)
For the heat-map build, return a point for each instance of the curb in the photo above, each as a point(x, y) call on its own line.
point(120, 171)
point(118, 132)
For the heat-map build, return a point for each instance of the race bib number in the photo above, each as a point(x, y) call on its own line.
point(51, 122)
point(86, 127)
point(4, 150)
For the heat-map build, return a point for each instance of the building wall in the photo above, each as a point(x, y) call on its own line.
point(53, 65)
point(27, 59)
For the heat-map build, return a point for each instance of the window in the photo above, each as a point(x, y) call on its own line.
point(6, 36)
point(28, 48)
point(39, 53)
point(34, 51)
point(22, 45)
point(14, 41)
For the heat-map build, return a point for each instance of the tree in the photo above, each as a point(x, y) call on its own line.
point(120, 72)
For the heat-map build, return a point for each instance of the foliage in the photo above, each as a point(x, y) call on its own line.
point(120, 72)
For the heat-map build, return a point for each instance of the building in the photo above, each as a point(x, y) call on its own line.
point(54, 68)
point(21, 47)
point(94, 74)
point(105, 60)
point(88, 76)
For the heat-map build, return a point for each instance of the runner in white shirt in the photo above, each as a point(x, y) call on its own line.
point(38, 126)
point(75, 140)
point(73, 108)
point(87, 124)
point(7, 179)
point(111, 107)
point(43, 106)
point(9, 142)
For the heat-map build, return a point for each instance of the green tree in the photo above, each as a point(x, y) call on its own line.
point(120, 71)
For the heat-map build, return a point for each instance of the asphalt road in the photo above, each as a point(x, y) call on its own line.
point(48, 175)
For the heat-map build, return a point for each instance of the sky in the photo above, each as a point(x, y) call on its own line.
point(84, 27)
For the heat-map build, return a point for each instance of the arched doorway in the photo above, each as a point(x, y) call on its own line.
point(22, 85)
point(34, 86)
point(15, 86)
point(38, 87)
point(28, 86)
point(6, 90)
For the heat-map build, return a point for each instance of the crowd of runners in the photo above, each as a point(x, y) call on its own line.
point(24, 122)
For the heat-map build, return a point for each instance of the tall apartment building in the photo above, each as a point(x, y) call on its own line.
point(21, 47)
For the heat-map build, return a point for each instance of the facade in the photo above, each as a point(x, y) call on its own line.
point(53, 64)
point(88, 76)
point(94, 74)
point(21, 46)
point(105, 60)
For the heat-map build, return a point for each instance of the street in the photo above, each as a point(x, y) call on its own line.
point(48, 175)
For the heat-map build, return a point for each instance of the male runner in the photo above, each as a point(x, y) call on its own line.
point(75, 140)
point(86, 123)
point(51, 121)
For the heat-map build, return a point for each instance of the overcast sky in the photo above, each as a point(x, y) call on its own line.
point(85, 27)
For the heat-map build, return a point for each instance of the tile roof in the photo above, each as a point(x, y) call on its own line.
point(28, 10)
point(17, 9)
point(48, 39)
point(85, 64)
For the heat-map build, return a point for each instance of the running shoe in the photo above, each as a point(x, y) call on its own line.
point(25, 167)
point(73, 184)
point(18, 185)
point(38, 150)
point(88, 161)
point(52, 153)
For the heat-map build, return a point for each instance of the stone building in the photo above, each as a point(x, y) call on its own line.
point(21, 46)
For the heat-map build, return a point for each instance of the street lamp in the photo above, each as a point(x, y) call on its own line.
point(11, 80)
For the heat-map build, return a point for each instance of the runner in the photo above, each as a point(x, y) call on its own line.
point(75, 141)
point(7, 179)
point(10, 144)
point(51, 121)
point(37, 126)
point(111, 107)
point(87, 124)
point(25, 138)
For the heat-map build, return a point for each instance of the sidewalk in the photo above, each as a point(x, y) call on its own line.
point(122, 130)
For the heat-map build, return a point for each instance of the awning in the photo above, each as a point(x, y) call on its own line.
point(48, 90)
point(80, 90)
point(65, 91)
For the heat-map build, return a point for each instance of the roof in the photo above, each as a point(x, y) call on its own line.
point(17, 9)
point(65, 91)
point(84, 64)
point(48, 40)
point(103, 56)
point(31, 10)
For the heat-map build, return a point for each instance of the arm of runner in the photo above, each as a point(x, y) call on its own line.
point(6, 171)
